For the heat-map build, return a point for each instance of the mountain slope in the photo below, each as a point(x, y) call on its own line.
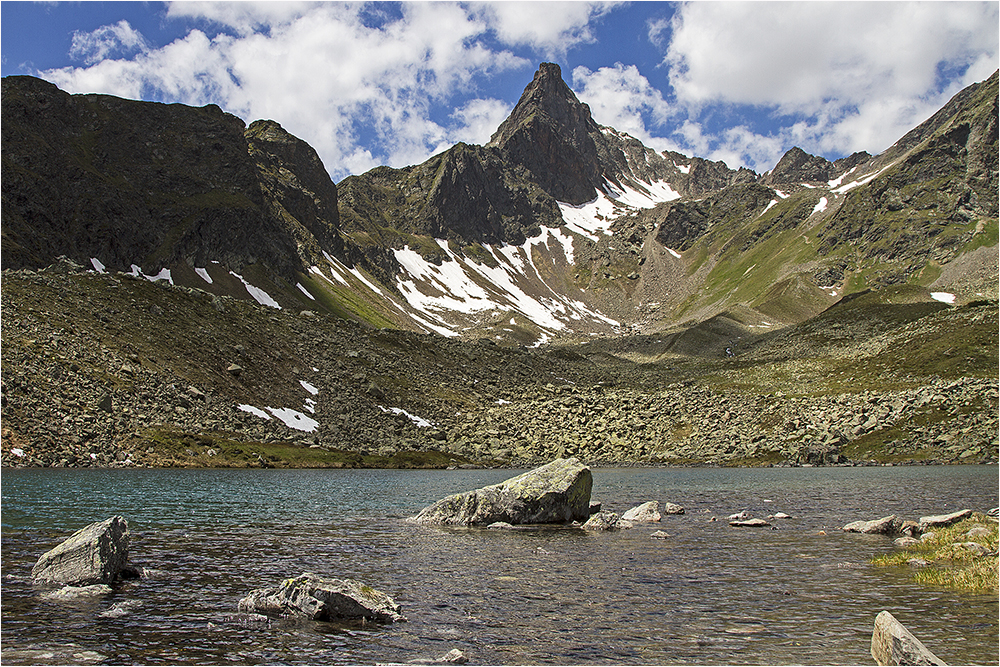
point(558, 228)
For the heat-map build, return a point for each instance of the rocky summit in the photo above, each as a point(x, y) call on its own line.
point(181, 289)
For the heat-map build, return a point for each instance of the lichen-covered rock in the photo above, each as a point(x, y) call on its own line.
point(320, 599)
point(558, 492)
point(95, 554)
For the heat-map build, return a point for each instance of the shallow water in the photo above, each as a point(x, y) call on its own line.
point(710, 594)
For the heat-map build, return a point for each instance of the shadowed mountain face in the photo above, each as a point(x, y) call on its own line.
point(557, 228)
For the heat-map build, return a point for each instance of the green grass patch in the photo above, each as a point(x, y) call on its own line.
point(951, 565)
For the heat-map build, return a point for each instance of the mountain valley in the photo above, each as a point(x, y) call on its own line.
point(180, 289)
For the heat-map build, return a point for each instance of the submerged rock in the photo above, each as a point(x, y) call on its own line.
point(95, 554)
point(558, 492)
point(70, 593)
point(321, 599)
point(749, 523)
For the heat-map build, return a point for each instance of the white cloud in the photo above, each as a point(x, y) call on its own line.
point(92, 47)
point(621, 97)
point(478, 119)
point(550, 27)
point(327, 73)
point(861, 73)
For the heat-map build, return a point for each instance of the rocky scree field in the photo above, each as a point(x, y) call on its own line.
point(107, 369)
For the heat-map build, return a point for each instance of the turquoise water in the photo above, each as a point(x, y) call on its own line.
point(709, 594)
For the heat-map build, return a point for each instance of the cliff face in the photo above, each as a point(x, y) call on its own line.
point(126, 182)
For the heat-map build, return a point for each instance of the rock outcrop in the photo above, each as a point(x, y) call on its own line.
point(95, 554)
point(320, 599)
point(558, 492)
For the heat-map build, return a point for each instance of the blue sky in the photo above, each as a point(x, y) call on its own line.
point(386, 83)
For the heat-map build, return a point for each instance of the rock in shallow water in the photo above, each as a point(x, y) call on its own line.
point(606, 520)
point(646, 512)
point(321, 599)
point(889, 525)
point(95, 554)
point(558, 492)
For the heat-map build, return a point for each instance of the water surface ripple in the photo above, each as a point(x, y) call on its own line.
point(709, 594)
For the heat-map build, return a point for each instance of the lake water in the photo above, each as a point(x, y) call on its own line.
point(710, 594)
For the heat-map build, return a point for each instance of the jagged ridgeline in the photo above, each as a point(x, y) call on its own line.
point(558, 228)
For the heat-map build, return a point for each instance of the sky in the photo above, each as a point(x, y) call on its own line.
point(369, 84)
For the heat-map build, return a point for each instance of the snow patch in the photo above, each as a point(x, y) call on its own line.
point(308, 387)
point(945, 297)
point(781, 194)
point(820, 206)
point(853, 184)
point(360, 276)
point(164, 274)
point(204, 275)
point(419, 421)
point(768, 207)
point(254, 411)
point(595, 217)
point(259, 295)
point(295, 419)
point(304, 291)
point(17, 451)
point(97, 267)
point(674, 253)
point(683, 168)
point(840, 179)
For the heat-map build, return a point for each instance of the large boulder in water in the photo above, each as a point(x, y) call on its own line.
point(95, 554)
point(322, 599)
point(558, 492)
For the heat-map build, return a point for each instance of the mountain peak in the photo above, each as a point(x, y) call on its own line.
point(549, 134)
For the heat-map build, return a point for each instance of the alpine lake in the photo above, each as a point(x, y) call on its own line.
point(805, 593)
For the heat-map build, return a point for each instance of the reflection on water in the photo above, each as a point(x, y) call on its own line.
point(708, 594)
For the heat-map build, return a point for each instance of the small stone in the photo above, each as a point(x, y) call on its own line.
point(500, 525)
point(660, 535)
point(235, 370)
point(905, 541)
point(672, 508)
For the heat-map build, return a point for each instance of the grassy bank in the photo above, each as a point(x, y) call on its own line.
point(950, 561)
